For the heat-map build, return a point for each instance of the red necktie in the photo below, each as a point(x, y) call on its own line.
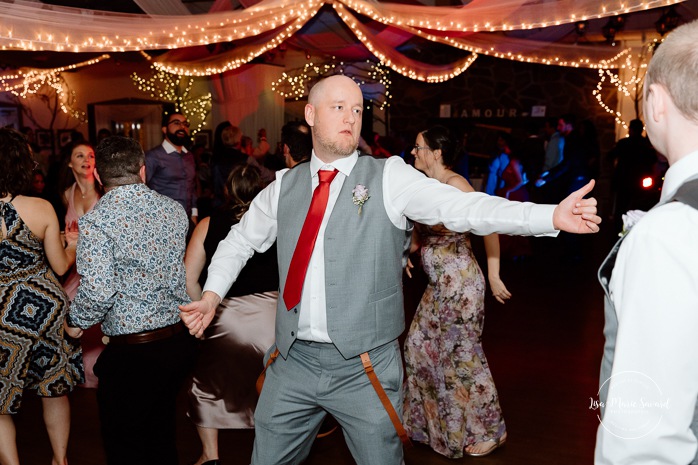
point(306, 241)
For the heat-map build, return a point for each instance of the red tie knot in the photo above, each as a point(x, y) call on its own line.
point(327, 175)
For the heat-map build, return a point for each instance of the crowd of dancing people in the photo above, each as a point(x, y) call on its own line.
point(147, 272)
point(222, 374)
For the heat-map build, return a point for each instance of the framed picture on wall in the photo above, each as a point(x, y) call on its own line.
point(10, 116)
point(203, 137)
point(64, 137)
point(44, 138)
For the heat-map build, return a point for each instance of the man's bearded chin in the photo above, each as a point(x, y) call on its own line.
point(178, 139)
point(343, 150)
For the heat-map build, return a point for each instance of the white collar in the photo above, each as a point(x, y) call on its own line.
point(169, 148)
point(678, 173)
point(343, 165)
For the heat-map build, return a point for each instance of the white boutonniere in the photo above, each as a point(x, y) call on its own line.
point(630, 219)
point(359, 196)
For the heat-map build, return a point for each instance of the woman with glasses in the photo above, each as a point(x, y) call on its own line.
point(451, 402)
point(37, 354)
point(80, 193)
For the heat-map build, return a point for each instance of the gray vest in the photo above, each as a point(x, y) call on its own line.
point(364, 259)
point(688, 194)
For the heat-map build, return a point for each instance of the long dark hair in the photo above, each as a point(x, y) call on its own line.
point(17, 163)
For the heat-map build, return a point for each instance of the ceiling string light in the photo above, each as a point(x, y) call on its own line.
point(294, 84)
point(176, 89)
point(501, 16)
point(29, 82)
point(235, 58)
point(399, 63)
point(267, 24)
point(635, 67)
point(24, 25)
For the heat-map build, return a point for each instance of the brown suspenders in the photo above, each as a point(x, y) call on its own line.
point(368, 368)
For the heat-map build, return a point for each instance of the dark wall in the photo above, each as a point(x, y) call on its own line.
point(501, 86)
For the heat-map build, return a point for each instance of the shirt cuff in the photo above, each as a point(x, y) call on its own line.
point(541, 221)
point(216, 285)
point(195, 212)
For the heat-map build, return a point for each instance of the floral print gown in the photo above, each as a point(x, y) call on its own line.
point(450, 398)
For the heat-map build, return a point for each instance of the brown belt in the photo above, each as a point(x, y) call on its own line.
point(148, 336)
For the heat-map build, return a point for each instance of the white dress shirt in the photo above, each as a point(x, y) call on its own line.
point(407, 193)
point(654, 288)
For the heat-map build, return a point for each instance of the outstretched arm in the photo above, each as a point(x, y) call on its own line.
point(575, 214)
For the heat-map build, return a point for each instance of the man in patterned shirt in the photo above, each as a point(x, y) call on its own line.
point(130, 256)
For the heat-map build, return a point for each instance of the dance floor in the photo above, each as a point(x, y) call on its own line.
point(544, 349)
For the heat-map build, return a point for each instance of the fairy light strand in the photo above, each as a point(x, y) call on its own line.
point(177, 89)
point(293, 84)
point(29, 82)
point(631, 88)
point(105, 31)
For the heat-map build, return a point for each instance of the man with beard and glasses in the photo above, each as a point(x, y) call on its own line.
point(170, 169)
point(345, 315)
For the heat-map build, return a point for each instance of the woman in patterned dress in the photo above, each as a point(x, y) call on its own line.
point(451, 402)
point(34, 354)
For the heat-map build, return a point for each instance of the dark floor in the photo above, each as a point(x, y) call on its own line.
point(544, 348)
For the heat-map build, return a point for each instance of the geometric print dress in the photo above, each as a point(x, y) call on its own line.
point(450, 398)
point(34, 353)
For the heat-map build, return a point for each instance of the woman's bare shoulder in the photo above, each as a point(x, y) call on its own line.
point(459, 182)
point(35, 208)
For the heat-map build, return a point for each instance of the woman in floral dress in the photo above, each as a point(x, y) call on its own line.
point(451, 402)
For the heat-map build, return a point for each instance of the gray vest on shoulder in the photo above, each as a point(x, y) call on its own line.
point(364, 259)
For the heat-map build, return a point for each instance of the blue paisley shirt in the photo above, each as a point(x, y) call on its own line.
point(130, 256)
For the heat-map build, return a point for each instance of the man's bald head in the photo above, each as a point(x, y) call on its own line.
point(334, 111)
point(319, 89)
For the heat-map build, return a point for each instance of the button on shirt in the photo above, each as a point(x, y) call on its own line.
point(172, 174)
point(407, 193)
point(130, 257)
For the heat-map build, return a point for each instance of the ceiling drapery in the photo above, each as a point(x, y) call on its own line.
point(265, 25)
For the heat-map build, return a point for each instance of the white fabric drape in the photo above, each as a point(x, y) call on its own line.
point(37, 26)
point(265, 25)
